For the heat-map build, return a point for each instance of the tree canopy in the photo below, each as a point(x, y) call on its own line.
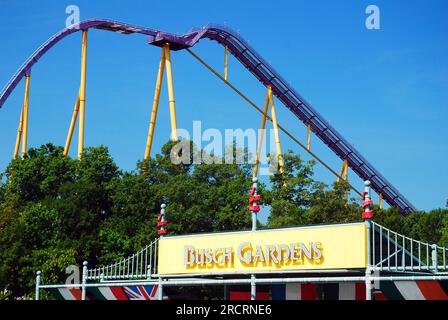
point(56, 211)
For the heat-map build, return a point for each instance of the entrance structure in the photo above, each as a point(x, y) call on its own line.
point(360, 260)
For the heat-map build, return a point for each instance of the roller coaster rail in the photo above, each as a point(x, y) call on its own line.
point(251, 60)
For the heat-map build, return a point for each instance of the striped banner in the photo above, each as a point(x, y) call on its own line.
point(243, 293)
point(414, 290)
point(352, 291)
point(305, 291)
point(327, 291)
point(66, 293)
point(107, 293)
point(141, 292)
point(390, 290)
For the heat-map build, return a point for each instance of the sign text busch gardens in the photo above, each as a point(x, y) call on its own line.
point(250, 254)
point(304, 248)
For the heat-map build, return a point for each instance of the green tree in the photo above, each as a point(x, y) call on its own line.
point(56, 211)
point(297, 199)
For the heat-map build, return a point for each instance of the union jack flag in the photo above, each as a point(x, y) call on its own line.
point(141, 292)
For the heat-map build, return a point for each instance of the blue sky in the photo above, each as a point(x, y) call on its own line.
point(385, 91)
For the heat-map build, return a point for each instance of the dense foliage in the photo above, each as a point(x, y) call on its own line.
point(56, 211)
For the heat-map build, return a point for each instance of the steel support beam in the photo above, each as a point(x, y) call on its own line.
point(276, 134)
point(22, 131)
point(261, 135)
point(155, 106)
point(72, 127)
point(82, 95)
point(169, 80)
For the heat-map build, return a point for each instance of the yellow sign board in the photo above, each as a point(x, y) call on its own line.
point(340, 246)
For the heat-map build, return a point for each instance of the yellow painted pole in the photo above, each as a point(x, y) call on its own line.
point(261, 135)
point(19, 135)
point(82, 95)
point(72, 127)
point(155, 106)
point(346, 170)
point(277, 136)
point(381, 200)
point(346, 178)
point(226, 63)
point(309, 138)
point(342, 172)
point(169, 78)
point(25, 115)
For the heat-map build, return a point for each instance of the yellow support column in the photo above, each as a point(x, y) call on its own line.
point(155, 106)
point(25, 115)
point(19, 135)
point(309, 138)
point(72, 127)
point(343, 175)
point(381, 200)
point(82, 95)
point(277, 136)
point(346, 170)
point(226, 63)
point(261, 135)
point(342, 172)
point(169, 78)
point(346, 179)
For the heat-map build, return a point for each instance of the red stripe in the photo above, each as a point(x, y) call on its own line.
point(360, 291)
point(119, 293)
point(245, 295)
point(380, 296)
point(309, 291)
point(143, 292)
point(432, 290)
point(154, 290)
point(77, 293)
point(262, 296)
point(239, 295)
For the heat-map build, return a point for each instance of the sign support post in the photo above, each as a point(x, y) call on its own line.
point(38, 280)
point(254, 209)
point(162, 222)
point(84, 280)
point(367, 215)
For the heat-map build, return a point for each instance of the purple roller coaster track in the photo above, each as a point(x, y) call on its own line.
point(260, 69)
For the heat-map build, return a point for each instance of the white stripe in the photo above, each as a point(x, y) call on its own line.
point(347, 291)
point(107, 293)
point(409, 290)
point(154, 296)
point(293, 291)
point(66, 294)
